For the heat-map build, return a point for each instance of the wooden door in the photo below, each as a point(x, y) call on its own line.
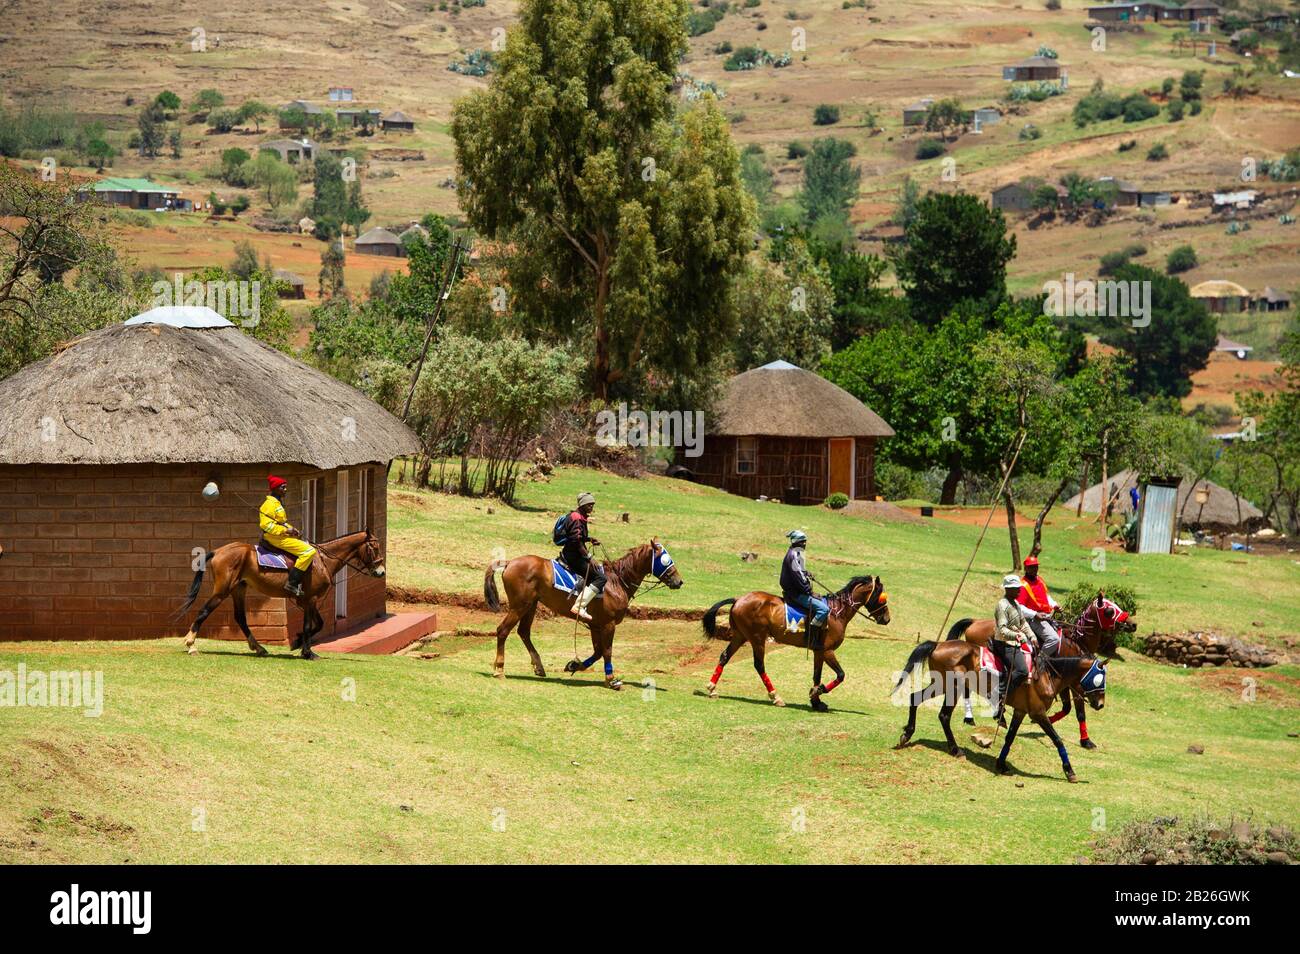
point(841, 466)
point(340, 528)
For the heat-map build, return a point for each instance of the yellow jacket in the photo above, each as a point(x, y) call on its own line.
point(272, 518)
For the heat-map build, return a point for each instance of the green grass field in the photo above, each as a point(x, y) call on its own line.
point(227, 758)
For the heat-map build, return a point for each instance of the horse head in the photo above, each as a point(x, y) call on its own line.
point(869, 593)
point(662, 566)
point(371, 555)
point(1093, 682)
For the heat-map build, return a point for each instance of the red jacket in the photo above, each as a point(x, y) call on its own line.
point(1034, 596)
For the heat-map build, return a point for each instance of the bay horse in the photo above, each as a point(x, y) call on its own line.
point(956, 665)
point(757, 617)
point(530, 580)
point(1093, 631)
point(235, 568)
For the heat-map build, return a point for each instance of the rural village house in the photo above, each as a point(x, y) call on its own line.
point(294, 285)
point(782, 432)
point(341, 94)
point(1222, 297)
point(1234, 348)
point(106, 446)
point(292, 151)
point(397, 121)
point(1035, 68)
point(132, 193)
point(380, 241)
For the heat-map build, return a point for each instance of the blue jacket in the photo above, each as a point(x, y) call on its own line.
point(794, 575)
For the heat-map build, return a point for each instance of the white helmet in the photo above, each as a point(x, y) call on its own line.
point(1011, 582)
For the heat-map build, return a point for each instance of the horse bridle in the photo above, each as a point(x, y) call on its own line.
point(854, 606)
point(348, 563)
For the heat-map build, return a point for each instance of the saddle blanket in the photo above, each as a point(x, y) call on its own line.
point(990, 662)
point(564, 578)
point(269, 558)
point(795, 619)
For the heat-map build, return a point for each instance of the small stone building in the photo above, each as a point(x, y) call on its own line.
point(397, 121)
point(379, 241)
point(780, 431)
point(106, 447)
point(1033, 69)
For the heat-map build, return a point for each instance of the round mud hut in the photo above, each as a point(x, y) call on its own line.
point(785, 433)
point(106, 448)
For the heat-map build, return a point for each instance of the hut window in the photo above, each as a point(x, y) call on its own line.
point(310, 507)
point(746, 455)
point(366, 511)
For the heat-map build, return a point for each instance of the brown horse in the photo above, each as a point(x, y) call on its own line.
point(757, 617)
point(954, 666)
point(1093, 631)
point(235, 568)
point(530, 580)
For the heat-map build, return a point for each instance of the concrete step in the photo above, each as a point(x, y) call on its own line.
point(382, 635)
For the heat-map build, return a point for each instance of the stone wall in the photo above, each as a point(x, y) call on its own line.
point(1207, 649)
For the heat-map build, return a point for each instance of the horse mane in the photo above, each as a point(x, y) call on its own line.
point(626, 561)
point(1066, 665)
point(841, 596)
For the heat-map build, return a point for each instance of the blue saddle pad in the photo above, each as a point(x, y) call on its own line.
point(269, 558)
point(563, 576)
point(794, 618)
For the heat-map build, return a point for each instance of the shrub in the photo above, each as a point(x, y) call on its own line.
point(1137, 108)
point(1157, 152)
point(837, 501)
point(1195, 108)
point(1167, 86)
point(826, 115)
point(1110, 262)
point(1030, 131)
point(1196, 841)
point(1182, 259)
point(1136, 250)
point(796, 149)
point(723, 47)
point(929, 148)
point(1126, 146)
point(1053, 4)
point(1175, 108)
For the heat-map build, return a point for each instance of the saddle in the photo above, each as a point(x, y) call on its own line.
point(796, 620)
point(564, 579)
point(273, 558)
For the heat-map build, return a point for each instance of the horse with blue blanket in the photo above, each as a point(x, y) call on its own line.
point(532, 580)
point(757, 617)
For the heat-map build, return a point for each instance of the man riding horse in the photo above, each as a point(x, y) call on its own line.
point(1013, 638)
point(797, 590)
point(574, 555)
point(277, 533)
point(1038, 607)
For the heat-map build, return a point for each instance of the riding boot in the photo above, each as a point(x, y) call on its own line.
point(584, 599)
point(816, 633)
point(293, 585)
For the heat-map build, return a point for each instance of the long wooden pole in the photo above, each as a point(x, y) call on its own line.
point(443, 293)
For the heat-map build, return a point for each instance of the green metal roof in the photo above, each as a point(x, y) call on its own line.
point(119, 184)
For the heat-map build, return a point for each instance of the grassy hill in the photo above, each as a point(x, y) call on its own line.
point(434, 760)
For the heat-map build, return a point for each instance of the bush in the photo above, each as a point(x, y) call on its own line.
point(837, 501)
point(1182, 259)
point(1157, 152)
point(826, 115)
point(1110, 262)
point(1053, 4)
point(1167, 86)
point(797, 149)
point(1196, 841)
point(1030, 131)
point(745, 58)
point(1175, 108)
point(1195, 108)
point(1126, 146)
point(929, 148)
point(1137, 108)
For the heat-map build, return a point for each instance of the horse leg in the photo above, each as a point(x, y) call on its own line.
point(727, 652)
point(1045, 724)
point(1065, 707)
point(607, 650)
point(1082, 713)
point(820, 689)
point(758, 647)
point(969, 718)
point(241, 617)
point(312, 623)
point(503, 633)
point(914, 700)
point(1001, 764)
point(526, 634)
point(945, 720)
point(220, 590)
point(819, 656)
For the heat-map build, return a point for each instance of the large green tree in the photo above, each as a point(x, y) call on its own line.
point(956, 250)
point(627, 214)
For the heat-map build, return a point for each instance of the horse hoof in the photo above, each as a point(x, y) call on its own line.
point(968, 721)
point(261, 651)
point(819, 706)
point(615, 684)
point(1003, 768)
point(1072, 778)
point(571, 666)
point(777, 700)
point(192, 650)
point(903, 740)
point(310, 656)
point(1087, 744)
point(958, 754)
point(499, 673)
point(539, 672)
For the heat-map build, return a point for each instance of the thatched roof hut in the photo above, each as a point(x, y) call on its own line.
point(112, 447)
point(782, 432)
point(379, 241)
point(1220, 511)
point(164, 389)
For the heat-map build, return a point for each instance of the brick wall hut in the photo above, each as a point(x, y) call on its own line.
point(780, 426)
point(105, 448)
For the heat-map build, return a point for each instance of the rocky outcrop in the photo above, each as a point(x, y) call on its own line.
point(1207, 649)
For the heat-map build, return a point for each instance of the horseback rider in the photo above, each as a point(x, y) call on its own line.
point(576, 558)
point(1038, 607)
point(279, 534)
point(1013, 637)
point(796, 588)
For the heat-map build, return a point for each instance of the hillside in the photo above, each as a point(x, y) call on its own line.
point(875, 59)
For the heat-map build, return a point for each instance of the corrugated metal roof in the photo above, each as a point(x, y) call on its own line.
point(123, 184)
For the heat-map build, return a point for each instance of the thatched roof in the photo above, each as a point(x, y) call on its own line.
point(782, 400)
point(378, 236)
point(1220, 510)
point(1218, 288)
point(183, 385)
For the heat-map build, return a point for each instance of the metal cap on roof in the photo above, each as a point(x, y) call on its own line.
point(181, 316)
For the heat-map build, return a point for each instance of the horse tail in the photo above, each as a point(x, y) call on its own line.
point(958, 629)
point(490, 584)
point(919, 655)
point(197, 585)
point(711, 618)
